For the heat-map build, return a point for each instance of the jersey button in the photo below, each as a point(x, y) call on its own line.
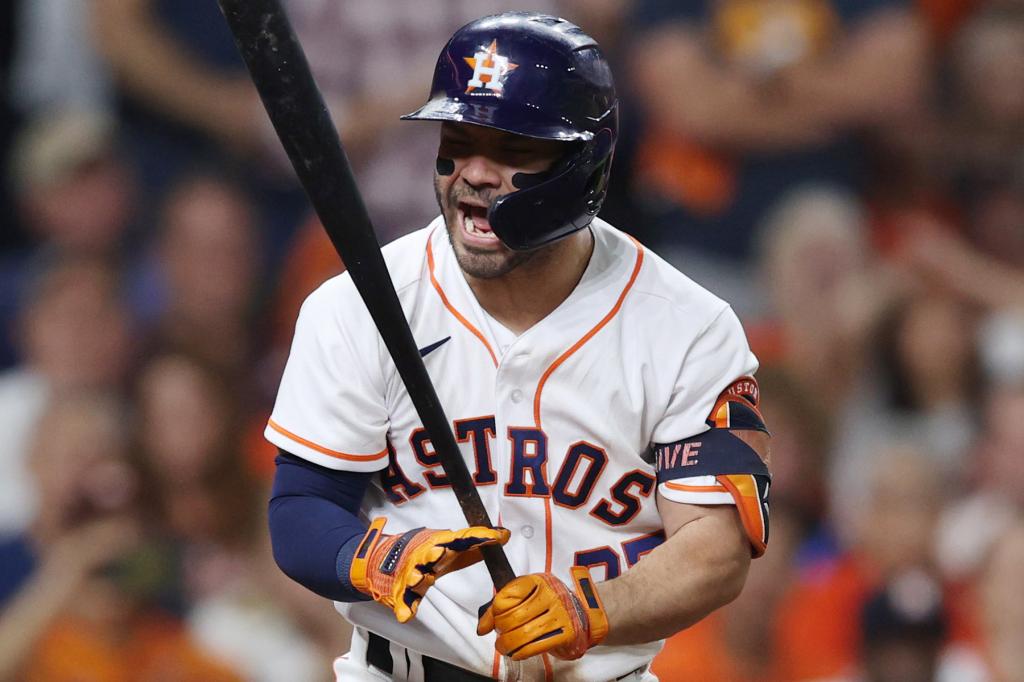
point(517, 396)
point(527, 531)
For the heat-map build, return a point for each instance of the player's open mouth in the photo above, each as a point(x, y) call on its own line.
point(475, 224)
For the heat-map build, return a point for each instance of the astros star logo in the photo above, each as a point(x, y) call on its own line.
point(489, 69)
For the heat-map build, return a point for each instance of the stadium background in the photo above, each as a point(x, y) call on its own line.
point(848, 173)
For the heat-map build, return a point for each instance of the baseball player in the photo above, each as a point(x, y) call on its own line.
point(604, 403)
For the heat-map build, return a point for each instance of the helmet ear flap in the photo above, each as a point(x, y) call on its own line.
point(537, 213)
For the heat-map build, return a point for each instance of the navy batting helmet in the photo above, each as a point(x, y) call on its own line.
point(539, 76)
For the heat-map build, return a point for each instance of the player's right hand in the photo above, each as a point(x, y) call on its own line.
point(396, 570)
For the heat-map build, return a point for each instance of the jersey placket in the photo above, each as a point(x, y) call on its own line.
point(522, 511)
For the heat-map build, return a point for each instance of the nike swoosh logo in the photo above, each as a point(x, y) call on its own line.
point(434, 346)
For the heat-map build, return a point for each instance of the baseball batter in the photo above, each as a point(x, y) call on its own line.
point(604, 403)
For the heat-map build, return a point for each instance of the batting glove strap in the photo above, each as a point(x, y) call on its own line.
point(589, 600)
point(397, 570)
point(359, 570)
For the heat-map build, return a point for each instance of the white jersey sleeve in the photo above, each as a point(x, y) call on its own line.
point(331, 406)
point(718, 358)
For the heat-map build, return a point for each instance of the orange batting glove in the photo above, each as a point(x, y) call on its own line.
point(396, 570)
point(537, 613)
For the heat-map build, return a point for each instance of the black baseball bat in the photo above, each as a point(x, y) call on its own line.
point(279, 70)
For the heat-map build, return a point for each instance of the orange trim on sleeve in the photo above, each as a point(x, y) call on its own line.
point(744, 491)
point(589, 335)
point(682, 487)
point(447, 304)
point(325, 451)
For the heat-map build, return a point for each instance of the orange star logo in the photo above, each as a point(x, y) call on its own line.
point(489, 69)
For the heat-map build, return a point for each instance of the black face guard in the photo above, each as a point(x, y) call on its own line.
point(557, 202)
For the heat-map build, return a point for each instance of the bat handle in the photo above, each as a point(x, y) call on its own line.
point(498, 566)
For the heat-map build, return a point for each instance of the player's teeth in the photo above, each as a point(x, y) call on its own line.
point(470, 226)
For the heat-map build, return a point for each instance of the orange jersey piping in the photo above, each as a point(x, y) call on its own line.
point(589, 335)
point(325, 451)
point(682, 487)
point(447, 304)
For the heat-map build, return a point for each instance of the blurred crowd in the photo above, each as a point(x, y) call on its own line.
point(848, 173)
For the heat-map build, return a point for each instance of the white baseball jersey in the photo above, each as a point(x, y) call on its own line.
point(557, 425)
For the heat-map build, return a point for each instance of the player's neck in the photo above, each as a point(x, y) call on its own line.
point(528, 294)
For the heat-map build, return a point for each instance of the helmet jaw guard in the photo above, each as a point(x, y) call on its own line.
point(538, 76)
point(539, 214)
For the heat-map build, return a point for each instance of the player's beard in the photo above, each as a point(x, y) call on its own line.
point(478, 263)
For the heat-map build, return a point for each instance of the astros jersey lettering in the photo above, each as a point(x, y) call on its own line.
point(568, 429)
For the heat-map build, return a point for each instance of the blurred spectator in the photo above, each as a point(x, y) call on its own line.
point(195, 477)
point(926, 390)
point(973, 135)
point(932, 381)
point(74, 190)
point(185, 91)
point(77, 457)
point(75, 330)
point(750, 99)
point(904, 628)
point(48, 64)
point(826, 292)
point(57, 66)
point(207, 263)
point(989, 78)
point(893, 532)
point(74, 587)
point(203, 498)
point(972, 525)
point(74, 195)
point(989, 650)
point(187, 101)
point(1002, 608)
point(264, 626)
point(74, 333)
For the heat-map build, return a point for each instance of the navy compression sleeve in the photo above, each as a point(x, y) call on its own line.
point(314, 524)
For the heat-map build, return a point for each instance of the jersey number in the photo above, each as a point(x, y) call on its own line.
point(605, 556)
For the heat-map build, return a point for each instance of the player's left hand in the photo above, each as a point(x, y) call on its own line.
point(538, 613)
